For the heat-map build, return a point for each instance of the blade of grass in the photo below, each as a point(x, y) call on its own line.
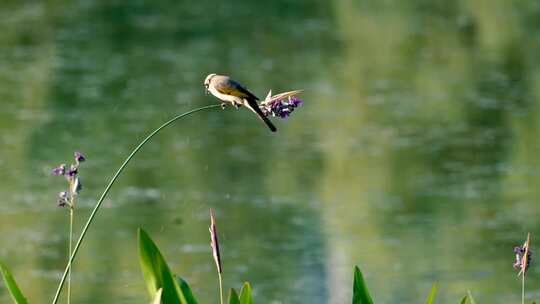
point(108, 188)
point(233, 297)
point(360, 291)
point(245, 294)
point(11, 285)
point(431, 295)
point(156, 272)
point(464, 300)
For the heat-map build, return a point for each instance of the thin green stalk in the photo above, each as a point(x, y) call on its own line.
point(71, 207)
point(523, 288)
point(220, 288)
point(70, 250)
point(107, 189)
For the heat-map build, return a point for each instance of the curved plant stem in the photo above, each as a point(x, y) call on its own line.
point(106, 191)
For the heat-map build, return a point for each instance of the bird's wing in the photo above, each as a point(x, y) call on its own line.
point(233, 88)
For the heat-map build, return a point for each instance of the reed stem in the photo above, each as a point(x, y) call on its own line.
point(108, 188)
point(69, 254)
point(220, 288)
point(523, 288)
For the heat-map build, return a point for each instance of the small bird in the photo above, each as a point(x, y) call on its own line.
point(228, 90)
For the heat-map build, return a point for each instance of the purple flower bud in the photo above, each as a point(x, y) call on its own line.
point(295, 101)
point(79, 158)
point(280, 105)
point(72, 171)
point(65, 198)
point(60, 170)
point(284, 112)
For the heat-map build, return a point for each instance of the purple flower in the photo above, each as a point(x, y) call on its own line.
point(60, 170)
point(72, 171)
point(295, 101)
point(79, 158)
point(284, 112)
point(281, 105)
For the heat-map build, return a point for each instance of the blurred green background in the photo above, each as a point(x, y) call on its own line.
point(414, 156)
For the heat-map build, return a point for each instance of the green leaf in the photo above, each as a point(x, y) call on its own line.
point(245, 294)
point(186, 290)
point(464, 300)
point(156, 272)
point(233, 297)
point(471, 299)
point(360, 291)
point(431, 295)
point(157, 297)
point(11, 285)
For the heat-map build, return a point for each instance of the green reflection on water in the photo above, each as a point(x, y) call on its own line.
point(413, 157)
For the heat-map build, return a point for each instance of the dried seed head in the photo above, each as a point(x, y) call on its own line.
point(214, 241)
point(523, 256)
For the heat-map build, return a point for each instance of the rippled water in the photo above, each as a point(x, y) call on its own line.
point(414, 156)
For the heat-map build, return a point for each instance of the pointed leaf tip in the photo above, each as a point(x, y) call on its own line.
point(156, 272)
point(360, 291)
point(431, 295)
point(245, 294)
point(233, 297)
point(471, 299)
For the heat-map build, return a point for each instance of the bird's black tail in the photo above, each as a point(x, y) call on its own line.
point(267, 121)
point(253, 106)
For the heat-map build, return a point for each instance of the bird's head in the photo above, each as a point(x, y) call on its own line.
point(207, 81)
